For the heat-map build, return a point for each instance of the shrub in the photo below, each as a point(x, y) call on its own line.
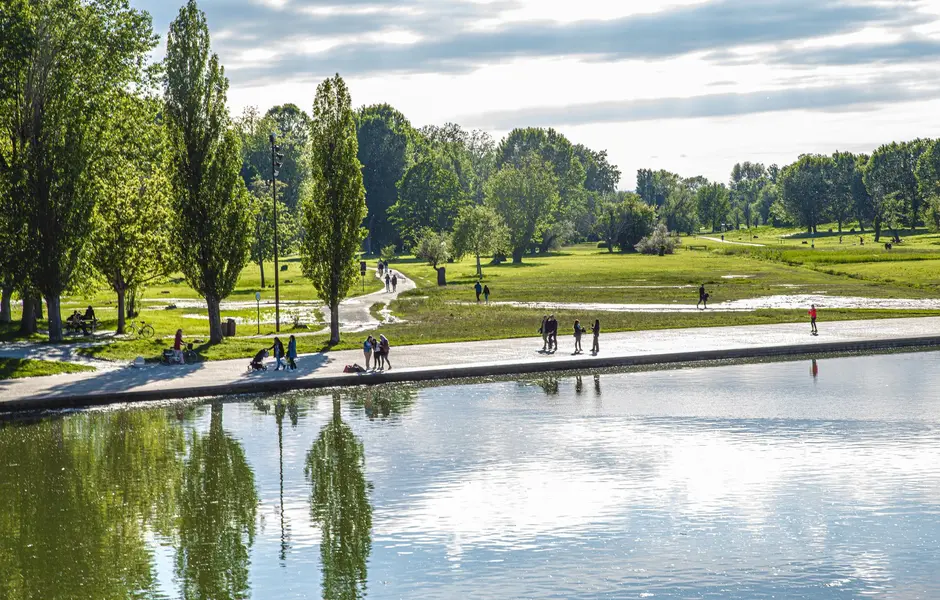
point(388, 253)
point(659, 242)
point(602, 245)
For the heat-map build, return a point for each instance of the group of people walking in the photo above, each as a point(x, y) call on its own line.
point(482, 289)
point(279, 353)
point(391, 281)
point(377, 350)
point(549, 331)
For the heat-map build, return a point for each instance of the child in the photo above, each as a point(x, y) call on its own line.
point(812, 318)
point(578, 330)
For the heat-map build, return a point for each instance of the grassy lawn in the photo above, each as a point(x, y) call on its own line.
point(15, 368)
point(582, 273)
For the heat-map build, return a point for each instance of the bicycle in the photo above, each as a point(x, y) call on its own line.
point(141, 331)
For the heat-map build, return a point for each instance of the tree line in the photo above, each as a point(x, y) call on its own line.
point(117, 170)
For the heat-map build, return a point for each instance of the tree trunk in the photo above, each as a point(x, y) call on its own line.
point(517, 255)
point(55, 318)
point(37, 306)
point(261, 266)
point(441, 275)
point(215, 320)
point(840, 225)
point(610, 246)
point(334, 323)
point(6, 314)
point(877, 226)
point(28, 319)
point(479, 268)
point(122, 294)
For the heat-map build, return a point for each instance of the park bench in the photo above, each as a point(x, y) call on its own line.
point(697, 247)
point(75, 328)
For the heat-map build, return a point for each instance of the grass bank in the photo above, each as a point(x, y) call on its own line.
point(16, 368)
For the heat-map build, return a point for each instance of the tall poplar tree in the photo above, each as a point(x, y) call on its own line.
point(208, 196)
point(334, 206)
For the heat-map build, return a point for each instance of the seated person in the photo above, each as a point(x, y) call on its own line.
point(89, 314)
point(75, 323)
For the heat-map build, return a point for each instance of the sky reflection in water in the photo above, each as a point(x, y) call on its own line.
point(743, 481)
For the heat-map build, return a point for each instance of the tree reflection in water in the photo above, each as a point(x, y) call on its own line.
point(339, 504)
point(382, 401)
point(77, 497)
point(216, 525)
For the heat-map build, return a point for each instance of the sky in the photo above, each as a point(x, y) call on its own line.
point(691, 86)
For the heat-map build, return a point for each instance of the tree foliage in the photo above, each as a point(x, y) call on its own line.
point(131, 239)
point(429, 195)
point(209, 199)
point(658, 242)
point(524, 193)
point(63, 64)
point(479, 231)
point(334, 206)
point(805, 190)
point(713, 205)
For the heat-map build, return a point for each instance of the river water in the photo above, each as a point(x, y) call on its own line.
point(771, 480)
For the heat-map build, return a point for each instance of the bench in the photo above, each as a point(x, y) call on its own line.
point(697, 247)
point(76, 328)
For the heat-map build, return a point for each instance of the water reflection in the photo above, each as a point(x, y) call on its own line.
point(217, 506)
point(76, 496)
point(339, 504)
point(382, 401)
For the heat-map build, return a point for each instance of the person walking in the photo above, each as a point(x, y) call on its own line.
point(277, 350)
point(596, 330)
point(367, 352)
point(578, 330)
point(702, 296)
point(394, 282)
point(552, 334)
point(486, 294)
point(812, 319)
point(388, 282)
point(292, 353)
point(543, 330)
point(478, 289)
point(384, 347)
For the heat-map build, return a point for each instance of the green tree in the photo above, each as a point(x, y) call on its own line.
point(428, 196)
point(892, 170)
point(64, 64)
point(212, 220)
point(654, 186)
point(339, 504)
point(637, 220)
point(680, 212)
point(291, 126)
point(131, 238)
point(928, 183)
point(434, 248)
point(843, 176)
point(713, 205)
point(386, 150)
point(805, 190)
point(479, 231)
point(334, 206)
point(262, 224)
point(525, 194)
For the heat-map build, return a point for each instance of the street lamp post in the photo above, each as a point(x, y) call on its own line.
point(276, 157)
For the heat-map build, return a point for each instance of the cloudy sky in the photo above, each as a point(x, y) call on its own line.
point(692, 86)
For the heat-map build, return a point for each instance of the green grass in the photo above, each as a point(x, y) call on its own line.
point(15, 368)
point(583, 273)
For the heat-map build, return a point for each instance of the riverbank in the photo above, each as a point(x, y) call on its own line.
point(470, 359)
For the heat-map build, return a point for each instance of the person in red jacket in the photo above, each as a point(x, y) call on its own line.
point(812, 318)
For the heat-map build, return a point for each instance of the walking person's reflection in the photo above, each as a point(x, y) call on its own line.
point(597, 385)
point(578, 385)
point(814, 370)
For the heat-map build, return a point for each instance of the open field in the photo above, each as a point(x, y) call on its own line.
point(783, 267)
point(15, 368)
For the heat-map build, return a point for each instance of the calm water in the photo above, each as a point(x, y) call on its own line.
point(744, 481)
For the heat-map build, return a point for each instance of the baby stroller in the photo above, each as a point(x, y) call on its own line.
point(257, 363)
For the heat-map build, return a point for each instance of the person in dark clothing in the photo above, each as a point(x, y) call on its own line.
point(596, 330)
point(388, 282)
point(552, 334)
point(478, 289)
point(578, 330)
point(394, 282)
point(543, 330)
point(89, 314)
point(278, 352)
point(486, 294)
point(702, 296)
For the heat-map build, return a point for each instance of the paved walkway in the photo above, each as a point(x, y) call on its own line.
point(721, 241)
point(468, 359)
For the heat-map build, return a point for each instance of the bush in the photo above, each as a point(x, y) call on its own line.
point(602, 245)
point(388, 253)
point(659, 242)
